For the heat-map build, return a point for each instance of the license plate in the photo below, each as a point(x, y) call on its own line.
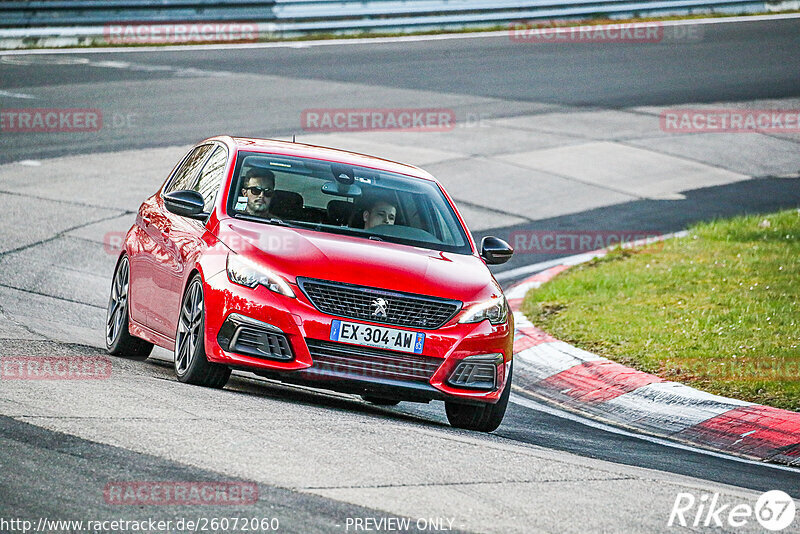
point(377, 336)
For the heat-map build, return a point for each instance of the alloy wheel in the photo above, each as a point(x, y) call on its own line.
point(117, 303)
point(189, 328)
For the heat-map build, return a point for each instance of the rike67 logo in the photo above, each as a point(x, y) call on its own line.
point(774, 510)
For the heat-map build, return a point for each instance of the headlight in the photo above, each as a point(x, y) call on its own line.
point(496, 310)
point(246, 273)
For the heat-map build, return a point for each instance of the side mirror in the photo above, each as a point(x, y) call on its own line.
point(495, 251)
point(186, 203)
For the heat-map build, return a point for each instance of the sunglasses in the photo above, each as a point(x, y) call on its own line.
point(259, 190)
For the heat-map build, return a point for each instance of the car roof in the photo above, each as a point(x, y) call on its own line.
point(287, 148)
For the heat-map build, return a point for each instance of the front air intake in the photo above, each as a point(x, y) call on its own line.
point(476, 372)
point(251, 337)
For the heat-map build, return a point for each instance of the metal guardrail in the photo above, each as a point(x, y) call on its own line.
point(474, 12)
point(51, 18)
point(93, 12)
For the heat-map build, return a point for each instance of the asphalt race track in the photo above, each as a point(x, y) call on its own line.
point(549, 137)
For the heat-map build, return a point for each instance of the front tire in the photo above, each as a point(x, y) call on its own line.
point(191, 364)
point(119, 340)
point(484, 418)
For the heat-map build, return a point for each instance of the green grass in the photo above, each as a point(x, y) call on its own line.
point(718, 310)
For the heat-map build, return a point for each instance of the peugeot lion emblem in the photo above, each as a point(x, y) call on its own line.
point(379, 308)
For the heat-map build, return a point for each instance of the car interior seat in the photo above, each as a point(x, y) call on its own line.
point(340, 212)
point(286, 205)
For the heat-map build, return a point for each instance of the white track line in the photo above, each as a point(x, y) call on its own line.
point(518, 272)
point(370, 40)
point(563, 414)
point(10, 94)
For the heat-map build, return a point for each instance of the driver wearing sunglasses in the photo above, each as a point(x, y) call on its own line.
point(259, 185)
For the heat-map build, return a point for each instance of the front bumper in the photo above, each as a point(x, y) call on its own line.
point(315, 360)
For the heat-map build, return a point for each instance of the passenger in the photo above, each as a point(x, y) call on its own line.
point(380, 212)
point(258, 187)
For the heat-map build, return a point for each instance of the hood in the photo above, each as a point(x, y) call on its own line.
point(296, 253)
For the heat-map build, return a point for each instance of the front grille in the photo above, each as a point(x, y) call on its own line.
point(350, 361)
point(359, 302)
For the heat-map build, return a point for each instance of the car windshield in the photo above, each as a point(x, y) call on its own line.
point(344, 199)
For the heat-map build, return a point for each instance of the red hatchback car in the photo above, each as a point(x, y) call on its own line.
point(316, 266)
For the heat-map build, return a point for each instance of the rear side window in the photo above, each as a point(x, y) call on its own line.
point(186, 176)
point(211, 177)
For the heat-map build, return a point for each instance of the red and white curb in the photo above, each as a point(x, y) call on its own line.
point(602, 389)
